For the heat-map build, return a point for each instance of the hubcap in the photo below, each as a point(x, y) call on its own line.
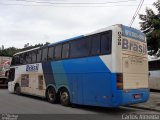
point(51, 94)
point(64, 96)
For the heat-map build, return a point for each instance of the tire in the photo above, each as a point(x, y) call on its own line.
point(17, 89)
point(51, 95)
point(64, 97)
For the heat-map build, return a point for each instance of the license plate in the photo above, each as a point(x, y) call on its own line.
point(137, 96)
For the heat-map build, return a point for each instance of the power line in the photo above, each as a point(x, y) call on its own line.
point(8, 4)
point(69, 3)
point(136, 12)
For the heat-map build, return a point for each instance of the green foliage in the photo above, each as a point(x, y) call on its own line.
point(12, 50)
point(150, 25)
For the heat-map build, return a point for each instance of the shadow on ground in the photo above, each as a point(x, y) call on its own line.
point(102, 110)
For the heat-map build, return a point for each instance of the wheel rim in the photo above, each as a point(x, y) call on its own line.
point(64, 96)
point(51, 94)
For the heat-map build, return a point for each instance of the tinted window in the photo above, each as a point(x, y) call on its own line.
point(58, 50)
point(13, 61)
point(80, 48)
point(44, 54)
point(28, 57)
point(50, 53)
point(11, 74)
point(65, 50)
point(25, 58)
point(33, 56)
point(39, 55)
point(106, 39)
point(17, 60)
point(21, 59)
point(95, 44)
point(154, 65)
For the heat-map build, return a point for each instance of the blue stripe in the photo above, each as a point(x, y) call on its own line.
point(66, 40)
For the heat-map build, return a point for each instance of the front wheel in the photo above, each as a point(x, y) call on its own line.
point(17, 89)
point(64, 97)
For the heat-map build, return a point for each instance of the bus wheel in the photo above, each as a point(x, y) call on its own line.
point(64, 97)
point(51, 95)
point(17, 89)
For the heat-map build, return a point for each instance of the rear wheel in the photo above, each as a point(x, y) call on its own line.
point(64, 97)
point(17, 89)
point(51, 95)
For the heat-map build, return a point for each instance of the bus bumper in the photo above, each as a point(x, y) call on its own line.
point(128, 97)
point(11, 87)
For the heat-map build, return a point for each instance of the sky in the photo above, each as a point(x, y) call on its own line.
point(41, 21)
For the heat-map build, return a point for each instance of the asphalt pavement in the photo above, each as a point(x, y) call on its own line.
point(24, 104)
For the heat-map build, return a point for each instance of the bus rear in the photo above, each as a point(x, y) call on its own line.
point(132, 70)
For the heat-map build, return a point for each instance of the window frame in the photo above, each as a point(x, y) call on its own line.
point(45, 48)
point(66, 43)
point(81, 39)
point(110, 43)
point(91, 54)
point(34, 51)
point(88, 38)
point(60, 44)
point(53, 47)
point(40, 56)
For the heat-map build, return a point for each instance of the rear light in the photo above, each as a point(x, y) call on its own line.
point(119, 81)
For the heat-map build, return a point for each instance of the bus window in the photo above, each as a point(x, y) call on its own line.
point(13, 60)
point(50, 53)
point(58, 50)
point(44, 54)
point(39, 55)
point(95, 45)
point(33, 56)
point(80, 48)
point(17, 60)
point(65, 50)
point(29, 57)
point(21, 58)
point(11, 74)
point(106, 42)
point(154, 65)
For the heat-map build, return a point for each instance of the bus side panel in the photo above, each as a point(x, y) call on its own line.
point(48, 74)
point(88, 79)
point(97, 89)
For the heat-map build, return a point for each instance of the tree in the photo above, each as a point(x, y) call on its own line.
point(150, 25)
point(12, 50)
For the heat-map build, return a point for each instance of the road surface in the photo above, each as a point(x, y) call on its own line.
point(15, 104)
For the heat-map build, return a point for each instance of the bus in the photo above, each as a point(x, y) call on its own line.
point(107, 68)
point(4, 70)
point(154, 74)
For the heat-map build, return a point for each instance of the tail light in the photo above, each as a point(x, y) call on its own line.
point(119, 81)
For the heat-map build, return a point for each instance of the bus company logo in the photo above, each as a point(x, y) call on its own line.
point(32, 67)
point(134, 46)
point(135, 35)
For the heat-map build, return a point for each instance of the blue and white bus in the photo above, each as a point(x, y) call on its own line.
point(107, 68)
